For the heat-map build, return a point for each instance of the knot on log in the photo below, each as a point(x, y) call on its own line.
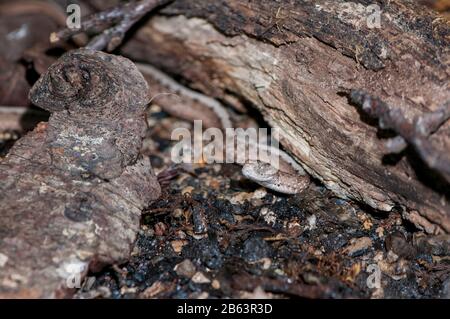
point(89, 83)
point(98, 102)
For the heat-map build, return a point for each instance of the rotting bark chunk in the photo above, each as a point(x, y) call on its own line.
point(72, 190)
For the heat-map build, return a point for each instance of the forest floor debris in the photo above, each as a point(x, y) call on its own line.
point(247, 241)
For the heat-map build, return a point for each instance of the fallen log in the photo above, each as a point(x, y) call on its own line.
point(73, 189)
point(297, 63)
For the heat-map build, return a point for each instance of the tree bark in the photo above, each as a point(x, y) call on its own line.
point(296, 60)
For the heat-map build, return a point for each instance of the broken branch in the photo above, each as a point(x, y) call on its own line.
point(415, 132)
point(123, 17)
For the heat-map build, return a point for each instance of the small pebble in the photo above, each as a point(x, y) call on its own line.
point(185, 269)
point(128, 290)
point(266, 263)
point(241, 198)
point(215, 284)
point(160, 229)
point(367, 225)
point(259, 193)
point(187, 190)
point(269, 216)
point(200, 278)
point(177, 245)
point(380, 232)
point(312, 222)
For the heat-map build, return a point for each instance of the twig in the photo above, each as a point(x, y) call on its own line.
point(167, 175)
point(120, 19)
point(414, 132)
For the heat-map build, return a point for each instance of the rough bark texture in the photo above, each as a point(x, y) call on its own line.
point(295, 60)
point(121, 18)
point(73, 189)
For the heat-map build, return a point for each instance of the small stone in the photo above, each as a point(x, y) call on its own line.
point(391, 257)
point(127, 290)
point(259, 193)
point(317, 253)
point(185, 269)
point(187, 190)
point(215, 284)
point(266, 263)
point(200, 278)
point(269, 216)
point(312, 222)
point(367, 225)
point(160, 229)
point(239, 198)
point(177, 245)
point(280, 272)
point(380, 232)
point(378, 256)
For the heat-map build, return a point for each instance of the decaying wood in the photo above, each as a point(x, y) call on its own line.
point(297, 61)
point(415, 133)
point(123, 17)
point(72, 190)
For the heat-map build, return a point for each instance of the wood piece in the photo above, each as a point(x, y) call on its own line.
point(297, 61)
point(416, 132)
point(72, 190)
point(122, 17)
